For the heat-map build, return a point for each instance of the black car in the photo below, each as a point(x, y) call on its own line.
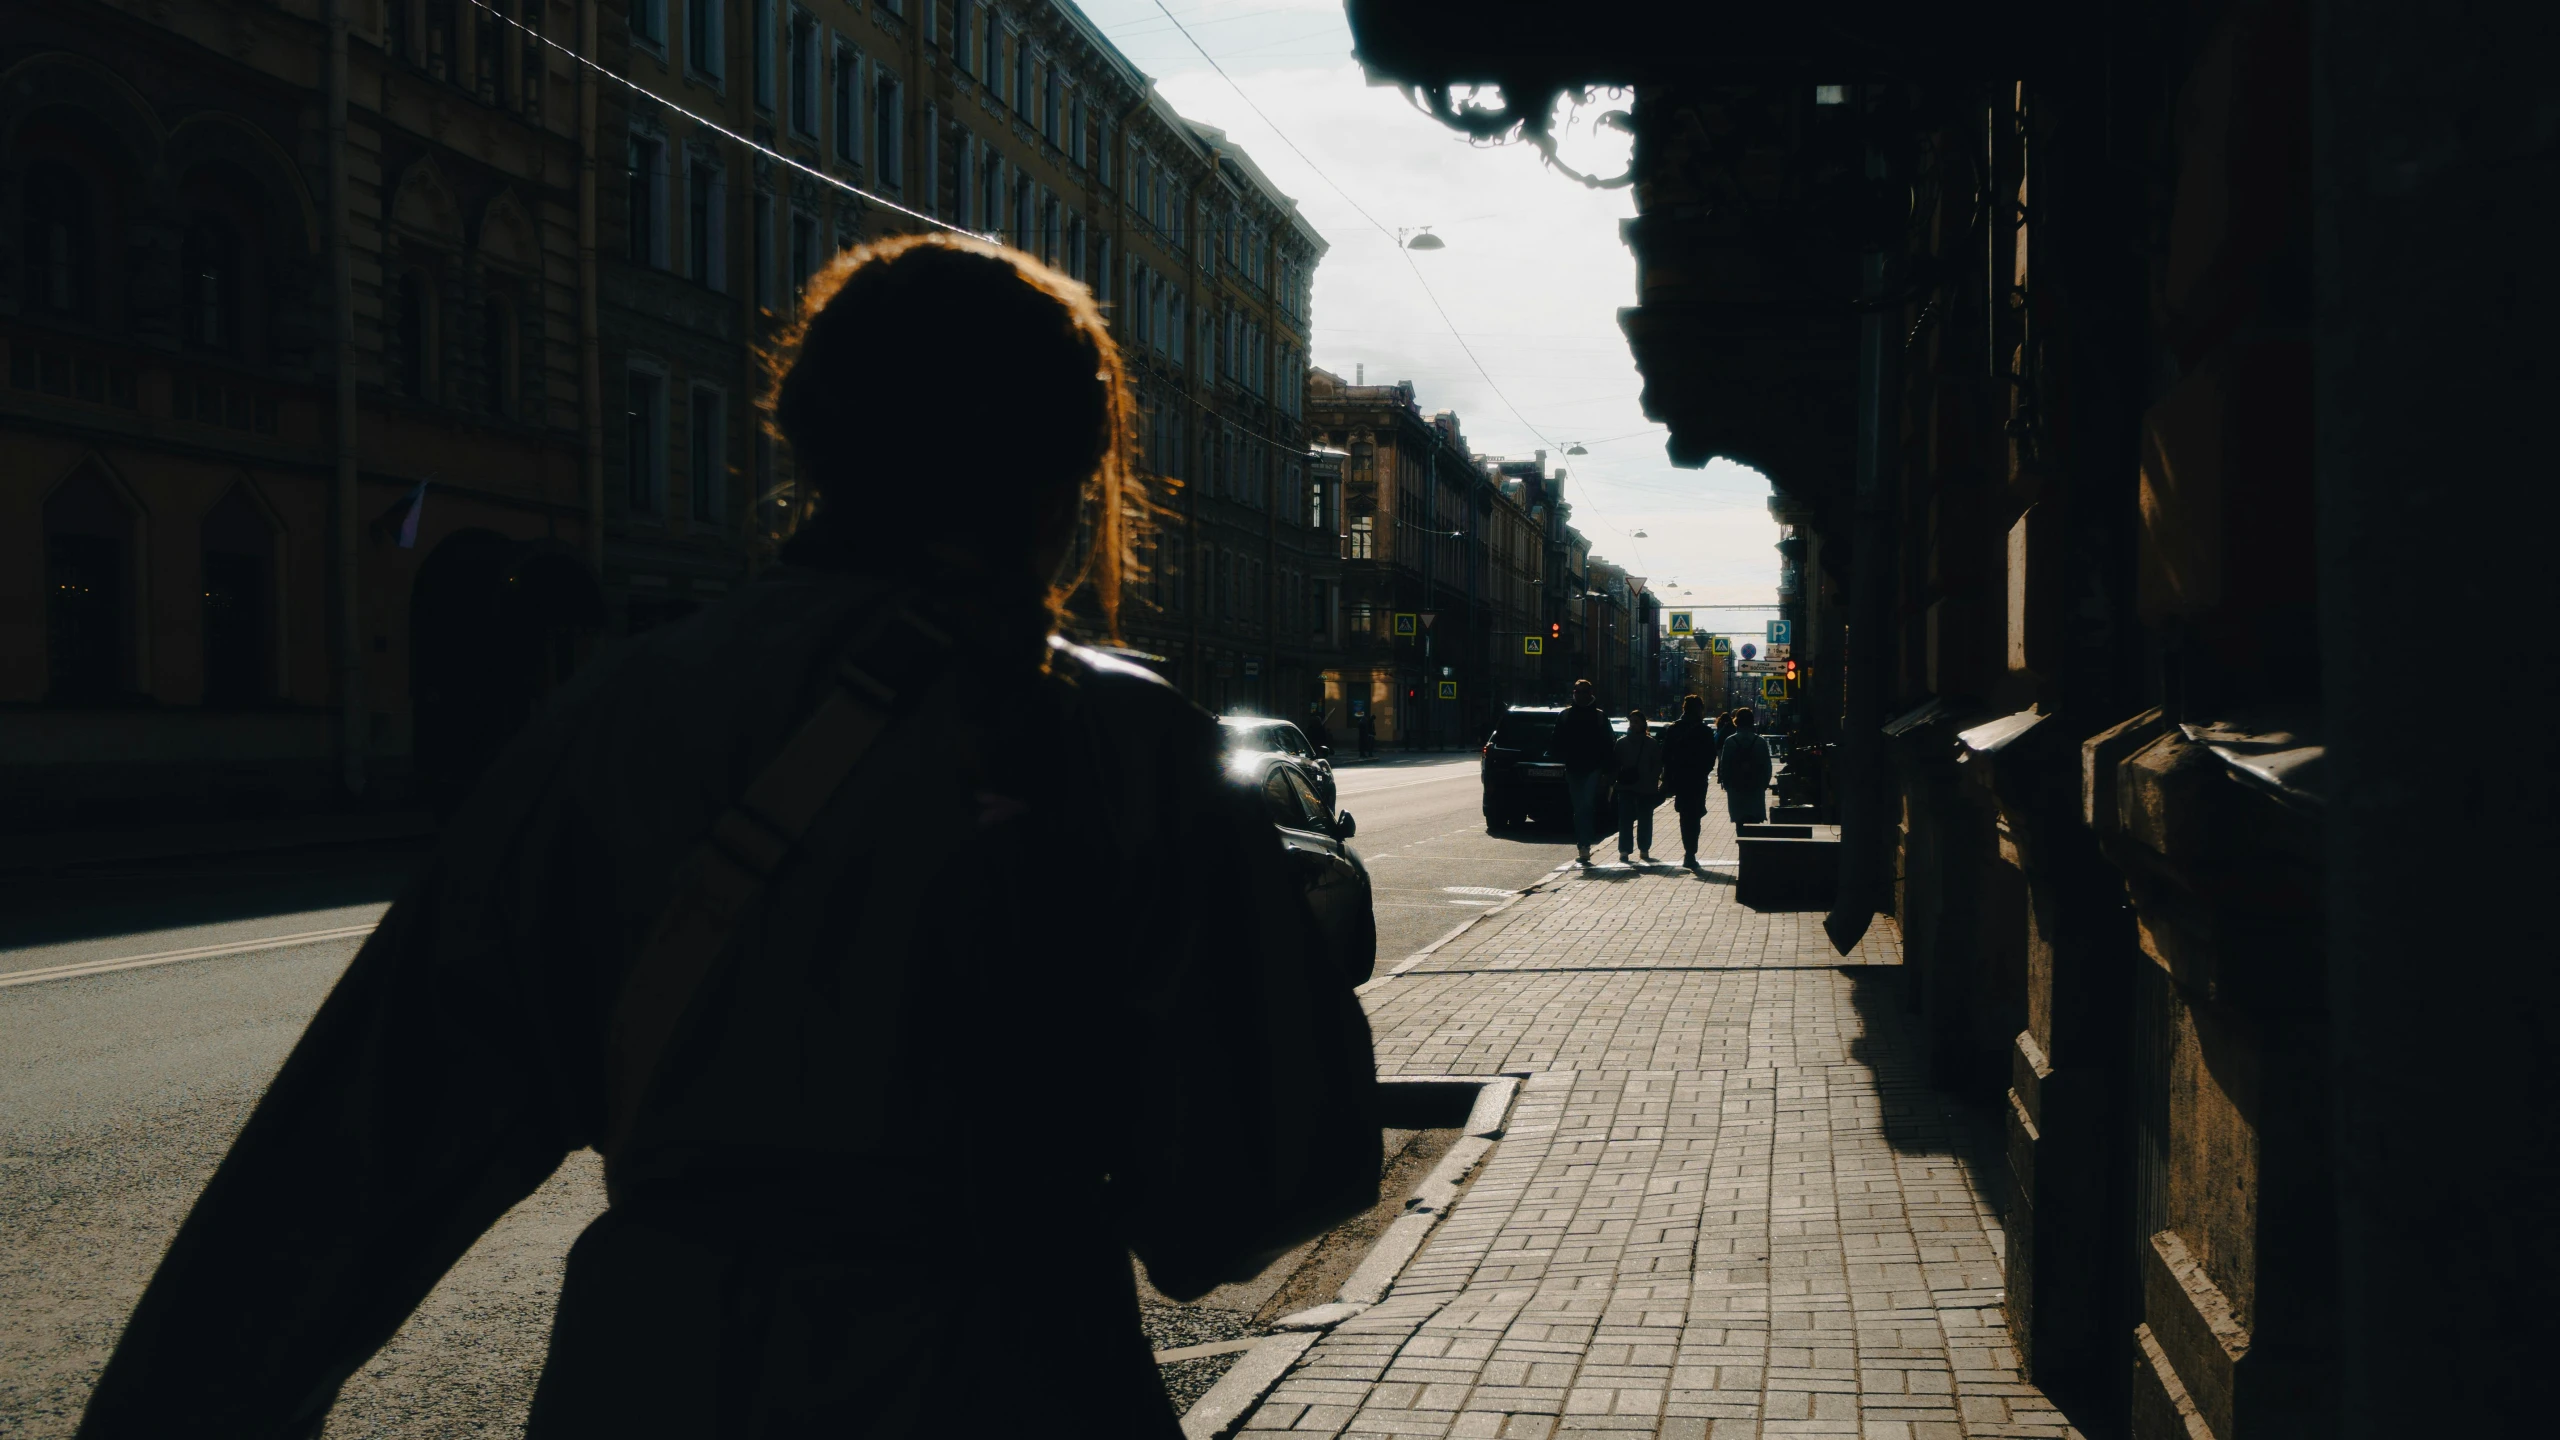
point(1252, 734)
point(1523, 780)
point(1316, 838)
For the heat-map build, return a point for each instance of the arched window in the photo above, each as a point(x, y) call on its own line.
point(61, 246)
point(89, 573)
point(239, 550)
point(211, 284)
point(498, 366)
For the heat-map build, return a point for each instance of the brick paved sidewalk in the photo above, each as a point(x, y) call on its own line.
point(1726, 1204)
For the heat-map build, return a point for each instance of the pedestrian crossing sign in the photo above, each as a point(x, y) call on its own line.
point(1448, 689)
point(1683, 622)
point(1774, 686)
point(1408, 624)
point(1533, 644)
point(1720, 645)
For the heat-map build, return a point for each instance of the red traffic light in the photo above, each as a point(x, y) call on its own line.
point(1555, 629)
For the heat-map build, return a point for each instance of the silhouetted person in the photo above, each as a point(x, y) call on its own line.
point(1319, 735)
point(1583, 741)
point(888, 1126)
point(1368, 737)
point(1688, 760)
point(1742, 767)
point(1638, 756)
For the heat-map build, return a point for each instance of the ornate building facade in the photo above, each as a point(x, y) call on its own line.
point(269, 273)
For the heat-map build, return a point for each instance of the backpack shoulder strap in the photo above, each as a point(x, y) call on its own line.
point(894, 657)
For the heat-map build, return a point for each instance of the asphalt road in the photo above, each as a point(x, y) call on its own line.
point(121, 1084)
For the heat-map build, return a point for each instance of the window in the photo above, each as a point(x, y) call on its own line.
point(959, 15)
point(991, 69)
point(238, 551)
point(1075, 130)
point(1022, 76)
point(706, 230)
point(1050, 253)
point(1174, 328)
point(951, 199)
point(648, 163)
point(1103, 153)
point(702, 36)
point(1049, 99)
point(416, 340)
point(804, 253)
point(1022, 213)
point(644, 440)
point(1102, 269)
point(498, 342)
point(888, 129)
point(991, 203)
point(212, 284)
point(59, 251)
point(804, 73)
point(763, 41)
point(648, 21)
point(707, 437)
point(1362, 542)
point(764, 251)
point(848, 103)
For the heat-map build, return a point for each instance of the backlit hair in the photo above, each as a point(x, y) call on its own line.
point(944, 385)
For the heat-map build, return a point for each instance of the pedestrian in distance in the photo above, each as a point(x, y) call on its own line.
point(1584, 742)
point(1318, 735)
point(722, 913)
point(1368, 737)
point(1638, 756)
point(1688, 761)
point(1742, 768)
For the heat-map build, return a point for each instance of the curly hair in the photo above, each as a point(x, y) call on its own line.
point(929, 362)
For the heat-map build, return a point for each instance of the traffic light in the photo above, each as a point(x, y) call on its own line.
point(1555, 629)
point(1791, 670)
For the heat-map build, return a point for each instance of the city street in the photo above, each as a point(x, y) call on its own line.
point(122, 1083)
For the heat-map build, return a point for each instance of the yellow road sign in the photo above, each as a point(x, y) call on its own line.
point(1682, 622)
point(1448, 689)
point(1721, 645)
point(1774, 686)
point(1408, 624)
point(1533, 644)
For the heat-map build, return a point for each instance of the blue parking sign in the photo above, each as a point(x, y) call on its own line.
point(1778, 632)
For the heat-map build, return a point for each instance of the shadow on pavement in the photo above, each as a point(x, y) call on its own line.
point(1918, 1117)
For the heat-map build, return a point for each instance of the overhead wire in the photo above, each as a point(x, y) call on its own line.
point(715, 126)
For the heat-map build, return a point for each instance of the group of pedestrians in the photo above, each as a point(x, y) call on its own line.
point(1646, 769)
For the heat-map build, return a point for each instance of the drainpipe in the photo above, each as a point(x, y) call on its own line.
point(590, 371)
point(351, 678)
point(1868, 665)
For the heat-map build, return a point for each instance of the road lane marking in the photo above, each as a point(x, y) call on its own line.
point(1475, 890)
point(172, 957)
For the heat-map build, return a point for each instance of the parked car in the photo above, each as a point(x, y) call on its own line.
point(1318, 843)
point(1252, 734)
point(1523, 780)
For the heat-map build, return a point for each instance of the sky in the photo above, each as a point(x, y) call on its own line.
point(1532, 277)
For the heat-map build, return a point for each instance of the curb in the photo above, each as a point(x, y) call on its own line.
point(1242, 1388)
point(1463, 926)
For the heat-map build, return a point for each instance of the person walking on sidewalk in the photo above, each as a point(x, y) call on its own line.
point(1583, 741)
point(1368, 737)
point(1742, 767)
point(1638, 756)
point(1688, 761)
point(721, 912)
